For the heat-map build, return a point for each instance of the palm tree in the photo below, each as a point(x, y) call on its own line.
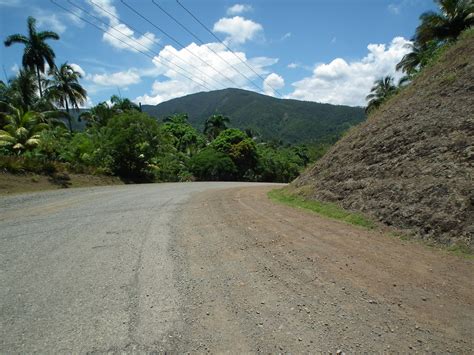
point(99, 114)
point(215, 125)
point(23, 89)
point(22, 129)
point(381, 91)
point(455, 16)
point(37, 52)
point(64, 89)
point(121, 105)
point(419, 56)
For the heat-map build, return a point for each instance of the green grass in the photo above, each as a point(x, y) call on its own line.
point(330, 210)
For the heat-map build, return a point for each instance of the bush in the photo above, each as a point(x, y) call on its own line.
point(240, 148)
point(129, 142)
point(211, 165)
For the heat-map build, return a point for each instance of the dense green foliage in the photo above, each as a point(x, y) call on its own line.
point(436, 31)
point(288, 121)
point(117, 138)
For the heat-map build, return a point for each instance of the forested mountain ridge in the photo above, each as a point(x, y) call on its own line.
point(290, 121)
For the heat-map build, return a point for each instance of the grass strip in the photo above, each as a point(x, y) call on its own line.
point(325, 209)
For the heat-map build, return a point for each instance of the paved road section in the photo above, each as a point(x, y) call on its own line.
point(216, 267)
point(88, 269)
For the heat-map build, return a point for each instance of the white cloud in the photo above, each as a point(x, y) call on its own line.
point(49, 21)
point(119, 35)
point(122, 37)
point(11, 3)
point(15, 68)
point(271, 83)
point(238, 29)
point(238, 9)
point(394, 9)
point(74, 17)
point(120, 79)
point(285, 36)
point(293, 65)
point(347, 83)
point(176, 85)
point(78, 68)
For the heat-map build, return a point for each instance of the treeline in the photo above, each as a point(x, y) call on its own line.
point(436, 31)
point(36, 132)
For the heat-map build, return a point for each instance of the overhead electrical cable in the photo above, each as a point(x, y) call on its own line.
point(134, 40)
point(151, 39)
point(225, 45)
point(176, 41)
point(129, 45)
point(203, 43)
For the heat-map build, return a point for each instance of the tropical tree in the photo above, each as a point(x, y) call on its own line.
point(381, 91)
point(120, 104)
point(22, 90)
point(454, 17)
point(64, 89)
point(22, 129)
point(98, 115)
point(37, 52)
point(185, 138)
point(214, 125)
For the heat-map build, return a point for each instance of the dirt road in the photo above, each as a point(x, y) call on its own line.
point(205, 267)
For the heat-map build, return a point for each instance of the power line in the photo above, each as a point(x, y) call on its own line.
point(225, 45)
point(140, 44)
point(151, 39)
point(202, 42)
point(129, 45)
point(176, 41)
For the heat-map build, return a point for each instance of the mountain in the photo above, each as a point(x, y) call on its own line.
point(291, 121)
point(410, 165)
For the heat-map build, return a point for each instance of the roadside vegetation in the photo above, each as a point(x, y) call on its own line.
point(325, 209)
point(435, 33)
point(39, 105)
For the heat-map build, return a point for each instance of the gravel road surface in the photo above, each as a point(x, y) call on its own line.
point(217, 267)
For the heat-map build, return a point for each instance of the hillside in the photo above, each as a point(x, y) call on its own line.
point(291, 121)
point(410, 164)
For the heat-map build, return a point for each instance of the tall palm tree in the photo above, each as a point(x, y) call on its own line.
point(381, 91)
point(22, 129)
point(215, 125)
point(98, 115)
point(455, 16)
point(23, 89)
point(419, 56)
point(37, 52)
point(64, 89)
point(123, 104)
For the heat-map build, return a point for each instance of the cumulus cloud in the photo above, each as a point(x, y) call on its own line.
point(238, 9)
point(50, 21)
point(78, 68)
point(238, 29)
point(293, 65)
point(15, 68)
point(347, 83)
point(119, 35)
point(120, 79)
point(285, 36)
point(11, 3)
point(176, 85)
point(271, 83)
point(394, 9)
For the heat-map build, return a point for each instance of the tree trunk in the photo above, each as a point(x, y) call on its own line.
point(68, 118)
point(39, 81)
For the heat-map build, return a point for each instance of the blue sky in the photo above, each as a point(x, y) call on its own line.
point(316, 50)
